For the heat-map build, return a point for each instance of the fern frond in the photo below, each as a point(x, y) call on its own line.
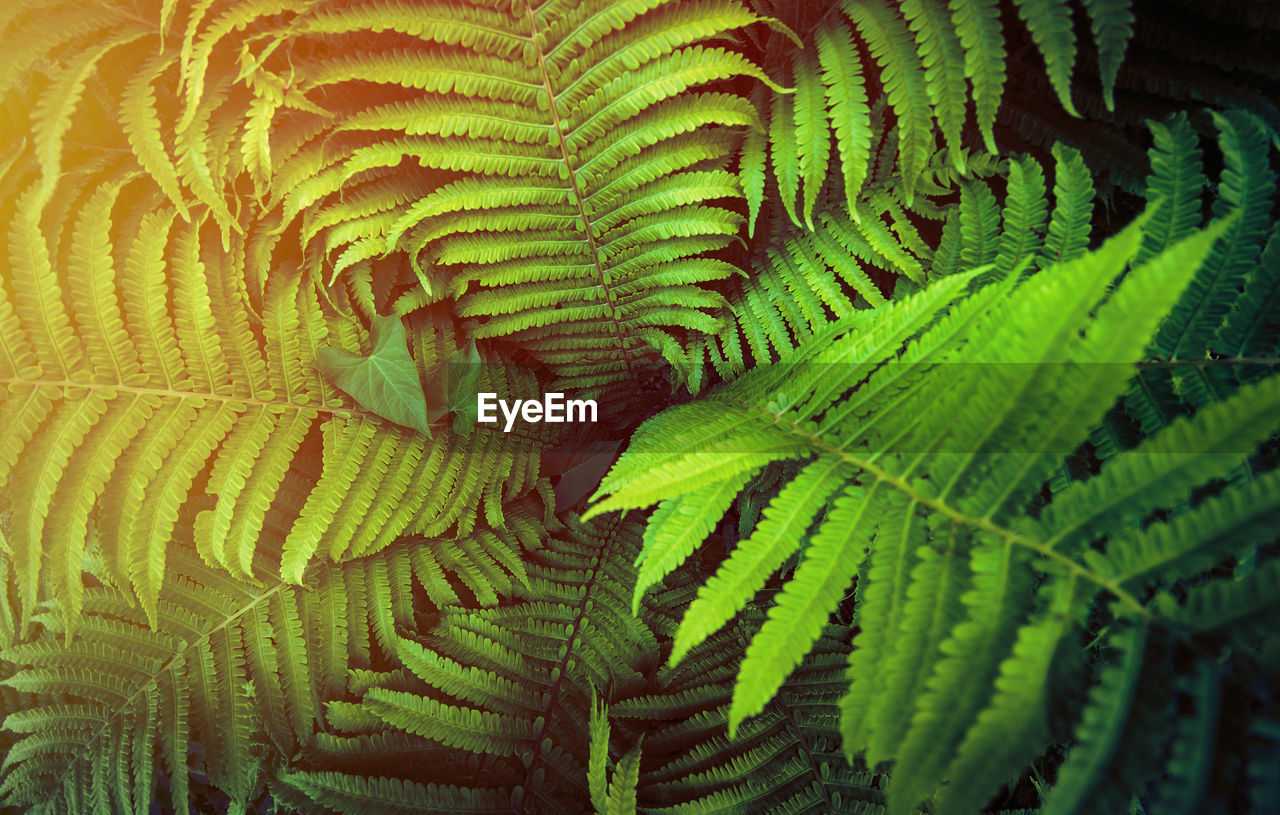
point(919, 623)
point(813, 145)
point(668, 543)
point(848, 109)
point(231, 664)
point(156, 398)
point(1193, 739)
point(522, 674)
point(953, 460)
point(1250, 328)
point(830, 562)
point(1050, 24)
point(1247, 186)
point(943, 60)
point(141, 120)
point(1024, 215)
point(1210, 306)
point(599, 116)
point(977, 24)
point(923, 74)
point(1176, 181)
point(757, 557)
point(1073, 193)
point(361, 795)
point(1013, 726)
point(1111, 22)
point(904, 82)
point(57, 104)
point(1102, 723)
point(783, 760)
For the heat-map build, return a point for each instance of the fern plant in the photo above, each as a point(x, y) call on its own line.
point(1178, 59)
point(229, 677)
point(150, 401)
point(160, 353)
point(923, 439)
point(808, 282)
point(924, 60)
point(512, 685)
point(787, 759)
point(573, 159)
point(924, 527)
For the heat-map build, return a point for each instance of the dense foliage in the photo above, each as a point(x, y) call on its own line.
point(940, 335)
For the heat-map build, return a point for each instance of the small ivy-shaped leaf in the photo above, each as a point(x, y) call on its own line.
point(385, 382)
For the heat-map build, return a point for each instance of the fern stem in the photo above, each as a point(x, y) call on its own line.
point(814, 765)
point(562, 672)
point(1042, 548)
point(179, 653)
point(579, 198)
point(175, 394)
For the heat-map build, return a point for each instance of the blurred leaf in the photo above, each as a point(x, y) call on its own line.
point(462, 381)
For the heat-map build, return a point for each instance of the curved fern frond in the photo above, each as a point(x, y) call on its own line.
point(353, 794)
point(808, 281)
point(1213, 315)
point(177, 409)
point(516, 682)
point(951, 470)
point(930, 59)
point(784, 760)
point(568, 159)
point(237, 667)
point(1050, 24)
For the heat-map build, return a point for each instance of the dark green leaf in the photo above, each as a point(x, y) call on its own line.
point(385, 382)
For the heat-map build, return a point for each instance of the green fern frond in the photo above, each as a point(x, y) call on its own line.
point(1214, 310)
point(1101, 727)
point(984, 682)
point(1069, 224)
point(1111, 22)
point(1175, 183)
point(930, 60)
point(236, 666)
point(1247, 186)
point(517, 680)
point(904, 81)
point(1024, 215)
point(351, 794)
point(848, 108)
point(156, 398)
point(784, 760)
point(1050, 24)
point(977, 23)
point(808, 279)
point(942, 58)
point(601, 117)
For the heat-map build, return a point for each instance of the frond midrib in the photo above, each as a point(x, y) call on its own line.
point(985, 523)
point(578, 198)
point(169, 393)
point(168, 665)
point(553, 696)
